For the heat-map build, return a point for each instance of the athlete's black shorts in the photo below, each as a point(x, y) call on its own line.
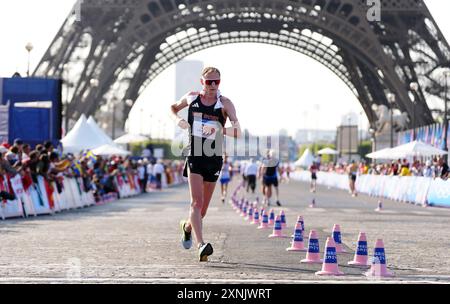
point(270, 180)
point(208, 167)
point(251, 181)
point(313, 176)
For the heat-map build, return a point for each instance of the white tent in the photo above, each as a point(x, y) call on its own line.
point(328, 151)
point(110, 149)
point(130, 138)
point(101, 134)
point(305, 160)
point(416, 148)
point(81, 137)
point(382, 154)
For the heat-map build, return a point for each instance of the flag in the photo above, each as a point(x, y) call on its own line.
point(90, 156)
point(76, 167)
point(433, 134)
point(438, 142)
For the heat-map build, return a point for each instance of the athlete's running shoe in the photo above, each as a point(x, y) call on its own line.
point(204, 250)
point(278, 203)
point(186, 237)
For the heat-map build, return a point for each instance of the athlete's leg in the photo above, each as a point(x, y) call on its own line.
point(208, 190)
point(268, 192)
point(195, 217)
point(226, 189)
point(276, 192)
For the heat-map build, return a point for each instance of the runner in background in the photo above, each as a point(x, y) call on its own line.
point(225, 177)
point(251, 172)
point(313, 169)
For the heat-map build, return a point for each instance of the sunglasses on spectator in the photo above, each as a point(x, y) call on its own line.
point(210, 81)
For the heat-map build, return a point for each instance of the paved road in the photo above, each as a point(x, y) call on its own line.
point(137, 240)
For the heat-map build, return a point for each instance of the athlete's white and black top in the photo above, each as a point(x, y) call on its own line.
point(202, 117)
point(204, 151)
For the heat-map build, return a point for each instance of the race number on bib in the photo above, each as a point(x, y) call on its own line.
point(205, 128)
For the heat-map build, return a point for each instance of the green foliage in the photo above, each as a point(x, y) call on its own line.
point(365, 148)
point(316, 147)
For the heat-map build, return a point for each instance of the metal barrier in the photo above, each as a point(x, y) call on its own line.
point(43, 197)
point(410, 189)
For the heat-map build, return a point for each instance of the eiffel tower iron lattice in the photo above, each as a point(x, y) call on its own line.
point(124, 44)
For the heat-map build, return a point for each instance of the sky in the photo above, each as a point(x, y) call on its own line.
point(271, 87)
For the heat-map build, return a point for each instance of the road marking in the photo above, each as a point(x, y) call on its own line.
point(351, 210)
point(316, 209)
point(421, 212)
point(217, 281)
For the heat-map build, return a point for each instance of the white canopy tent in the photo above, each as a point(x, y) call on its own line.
point(305, 160)
point(110, 149)
point(381, 154)
point(130, 138)
point(81, 137)
point(416, 149)
point(101, 134)
point(328, 151)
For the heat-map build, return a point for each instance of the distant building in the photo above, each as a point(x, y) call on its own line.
point(347, 142)
point(306, 136)
point(251, 146)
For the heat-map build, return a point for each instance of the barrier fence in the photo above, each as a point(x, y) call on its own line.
point(43, 197)
point(410, 189)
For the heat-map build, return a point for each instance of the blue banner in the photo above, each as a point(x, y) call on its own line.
point(35, 108)
point(439, 193)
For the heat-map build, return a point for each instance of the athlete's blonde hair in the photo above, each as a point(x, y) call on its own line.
point(208, 70)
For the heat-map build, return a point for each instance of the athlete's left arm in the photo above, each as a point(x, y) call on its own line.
point(235, 129)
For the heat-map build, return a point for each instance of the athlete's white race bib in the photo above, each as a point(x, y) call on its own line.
point(200, 128)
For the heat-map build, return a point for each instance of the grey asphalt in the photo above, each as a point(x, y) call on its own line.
point(137, 240)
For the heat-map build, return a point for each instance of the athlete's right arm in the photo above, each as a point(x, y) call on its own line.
point(177, 107)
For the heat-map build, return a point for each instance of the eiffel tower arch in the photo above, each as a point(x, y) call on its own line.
point(110, 50)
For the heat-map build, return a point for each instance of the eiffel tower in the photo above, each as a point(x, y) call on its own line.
point(108, 51)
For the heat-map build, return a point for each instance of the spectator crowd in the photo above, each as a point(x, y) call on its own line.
point(434, 168)
point(98, 174)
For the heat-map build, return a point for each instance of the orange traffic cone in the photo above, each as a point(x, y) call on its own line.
point(283, 219)
point(249, 216)
point(330, 264)
point(297, 226)
point(360, 258)
point(240, 207)
point(277, 229)
point(256, 219)
point(312, 256)
point(265, 221)
point(271, 217)
point(337, 238)
point(297, 241)
point(300, 220)
point(244, 210)
point(378, 267)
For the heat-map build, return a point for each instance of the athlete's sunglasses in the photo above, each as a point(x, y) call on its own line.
point(210, 81)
